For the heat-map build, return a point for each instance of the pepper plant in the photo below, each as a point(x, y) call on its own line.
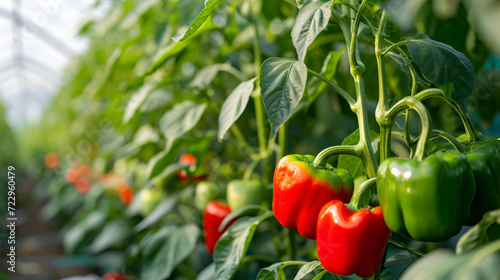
point(274, 140)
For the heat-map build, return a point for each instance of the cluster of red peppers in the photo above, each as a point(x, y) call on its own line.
point(311, 200)
point(426, 200)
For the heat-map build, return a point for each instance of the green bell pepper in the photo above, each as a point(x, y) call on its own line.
point(241, 193)
point(426, 200)
point(149, 199)
point(206, 192)
point(485, 163)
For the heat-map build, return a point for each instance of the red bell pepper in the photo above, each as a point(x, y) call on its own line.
point(214, 214)
point(300, 189)
point(112, 276)
point(349, 241)
point(187, 176)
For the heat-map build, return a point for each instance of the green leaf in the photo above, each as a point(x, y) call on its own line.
point(167, 172)
point(140, 8)
point(405, 67)
point(151, 243)
point(396, 265)
point(310, 21)
point(233, 245)
point(301, 3)
point(144, 135)
point(351, 163)
point(282, 83)
point(234, 106)
point(173, 251)
point(208, 273)
point(163, 208)
point(76, 235)
point(157, 99)
point(136, 101)
point(181, 119)
point(329, 69)
point(206, 75)
point(172, 49)
point(275, 271)
point(307, 268)
point(114, 232)
point(480, 234)
point(480, 263)
point(320, 275)
point(442, 65)
point(247, 210)
point(210, 6)
point(162, 160)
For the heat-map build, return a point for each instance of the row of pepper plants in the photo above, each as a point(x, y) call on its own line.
point(214, 148)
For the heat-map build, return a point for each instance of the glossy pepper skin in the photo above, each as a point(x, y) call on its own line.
point(214, 214)
point(483, 140)
point(426, 200)
point(485, 163)
point(300, 190)
point(349, 241)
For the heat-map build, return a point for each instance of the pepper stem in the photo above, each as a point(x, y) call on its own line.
point(358, 200)
point(323, 156)
point(448, 137)
point(411, 103)
point(470, 130)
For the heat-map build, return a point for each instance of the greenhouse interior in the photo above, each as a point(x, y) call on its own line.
point(250, 139)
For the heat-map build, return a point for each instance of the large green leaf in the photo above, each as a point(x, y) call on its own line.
point(207, 74)
point(163, 208)
point(328, 71)
point(234, 106)
point(276, 270)
point(76, 235)
point(233, 245)
point(282, 83)
point(210, 6)
point(301, 3)
point(137, 100)
point(396, 265)
point(156, 100)
point(487, 230)
point(153, 240)
point(163, 159)
point(442, 65)
point(307, 268)
point(405, 67)
point(171, 49)
point(441, 264)
point(351, 163)
point(181, 119)
point(177, 247)
point(113, 232)
point(208, 273)
point(312, 18)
